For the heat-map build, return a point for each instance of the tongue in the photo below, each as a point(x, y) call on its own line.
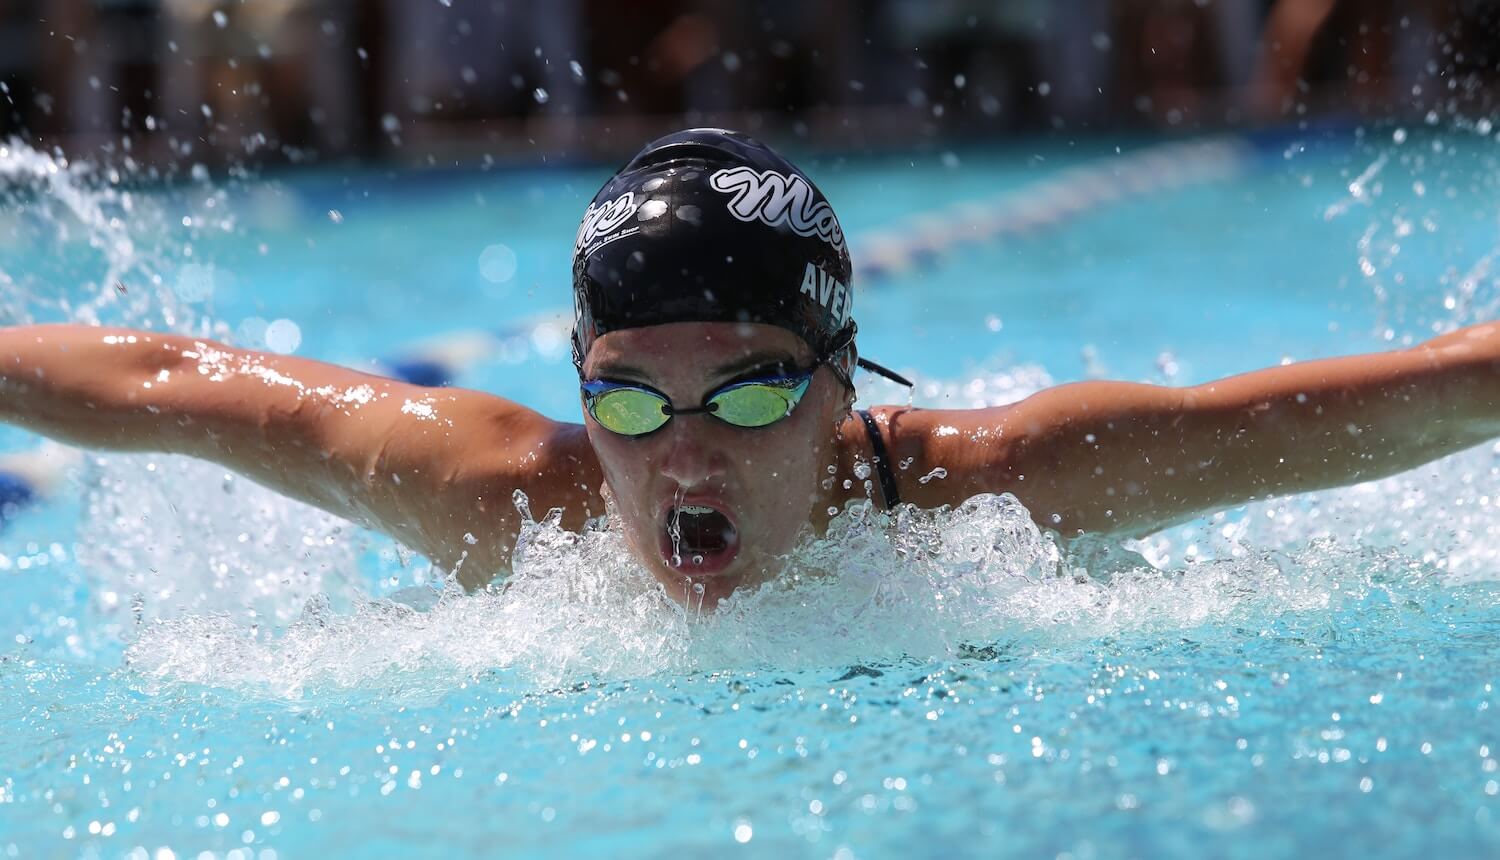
point(704, 533)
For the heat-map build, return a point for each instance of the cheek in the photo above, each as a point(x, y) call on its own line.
point(624, 462)
point(783, 483)
point(787, 463)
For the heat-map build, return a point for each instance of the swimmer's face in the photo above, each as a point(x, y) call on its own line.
point(704, 503)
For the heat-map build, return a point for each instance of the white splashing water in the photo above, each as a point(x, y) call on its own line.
point(113, 248)
point(924, 584)
point(168, 536)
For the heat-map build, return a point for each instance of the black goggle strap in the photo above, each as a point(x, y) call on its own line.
point(841, 358)
point(880, 370)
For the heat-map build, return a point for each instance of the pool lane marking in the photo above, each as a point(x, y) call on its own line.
point(922, 240)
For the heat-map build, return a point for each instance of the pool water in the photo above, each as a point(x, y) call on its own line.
point(189, 662)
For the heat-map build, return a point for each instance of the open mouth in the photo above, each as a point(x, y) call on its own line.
point(698, 539)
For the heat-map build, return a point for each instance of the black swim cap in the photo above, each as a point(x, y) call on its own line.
point(708, 225)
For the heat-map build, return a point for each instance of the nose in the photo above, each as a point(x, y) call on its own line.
point(693, 456)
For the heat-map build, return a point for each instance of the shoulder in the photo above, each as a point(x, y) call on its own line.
point(477, 450)
point(941, 456)
point(498, 445)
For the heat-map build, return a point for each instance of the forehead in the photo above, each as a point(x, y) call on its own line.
point(660, 348)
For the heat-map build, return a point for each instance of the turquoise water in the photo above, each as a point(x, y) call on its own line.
point(188, 661)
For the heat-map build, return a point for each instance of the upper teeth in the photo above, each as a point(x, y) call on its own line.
point(694, 509)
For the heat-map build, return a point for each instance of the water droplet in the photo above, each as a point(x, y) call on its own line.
point(251, 333)
point(283, 336)
point(195, 282)
point(497, 264)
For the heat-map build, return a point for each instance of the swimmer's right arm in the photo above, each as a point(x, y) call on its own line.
point(434, 468)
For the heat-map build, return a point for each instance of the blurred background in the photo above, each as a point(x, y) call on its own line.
point(224, 82)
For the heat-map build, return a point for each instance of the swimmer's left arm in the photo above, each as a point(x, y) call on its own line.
point(1131, 458)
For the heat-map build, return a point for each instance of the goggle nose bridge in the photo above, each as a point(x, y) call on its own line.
point(668, 409)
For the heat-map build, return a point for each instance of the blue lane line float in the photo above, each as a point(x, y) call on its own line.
point(16, 493)
point(918, 243)
point(440, 360)
point(29, 477)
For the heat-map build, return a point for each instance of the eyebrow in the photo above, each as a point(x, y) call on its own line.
point(616, 370)
point(754, 361)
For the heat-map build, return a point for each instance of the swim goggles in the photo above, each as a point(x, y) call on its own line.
point(631, 409)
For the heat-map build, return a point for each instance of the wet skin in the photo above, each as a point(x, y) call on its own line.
point(437, 468)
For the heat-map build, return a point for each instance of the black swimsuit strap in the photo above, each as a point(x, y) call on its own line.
point(882, 462)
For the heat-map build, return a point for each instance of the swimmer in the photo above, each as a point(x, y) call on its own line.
point(716, 355)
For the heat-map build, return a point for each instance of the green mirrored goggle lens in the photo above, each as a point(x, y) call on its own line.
point(636, 411)
point(629, 411)
point(757, 404)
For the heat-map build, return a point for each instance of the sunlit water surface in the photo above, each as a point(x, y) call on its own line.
point(190, 661)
